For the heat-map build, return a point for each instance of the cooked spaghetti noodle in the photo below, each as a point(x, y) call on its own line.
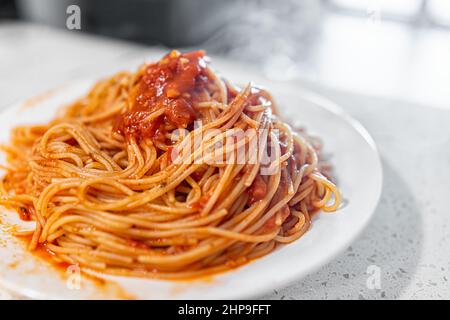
point(104, 187)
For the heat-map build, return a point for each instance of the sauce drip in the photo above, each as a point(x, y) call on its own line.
point(25, 214)
point(169, 84)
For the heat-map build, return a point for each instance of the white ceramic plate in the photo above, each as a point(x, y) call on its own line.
point(359, 174)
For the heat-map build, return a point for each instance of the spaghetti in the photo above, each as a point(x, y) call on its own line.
point(108, 192)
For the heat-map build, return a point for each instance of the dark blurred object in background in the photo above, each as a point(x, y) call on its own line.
point(7, 9)
point(376, 47)
point(170, 22)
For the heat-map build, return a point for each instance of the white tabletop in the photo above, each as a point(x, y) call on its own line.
point(409, 237)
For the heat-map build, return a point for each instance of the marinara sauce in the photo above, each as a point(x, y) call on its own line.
point(169, 84)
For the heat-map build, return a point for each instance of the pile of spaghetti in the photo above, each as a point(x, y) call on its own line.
point(105, 192)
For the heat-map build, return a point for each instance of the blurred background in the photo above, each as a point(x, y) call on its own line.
point(397, 48)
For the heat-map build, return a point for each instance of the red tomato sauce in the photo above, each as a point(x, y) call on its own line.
point(170, 84)
point(25, 213)
point(257, 191)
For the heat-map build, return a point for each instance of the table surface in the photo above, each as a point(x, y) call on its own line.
point(409, 236)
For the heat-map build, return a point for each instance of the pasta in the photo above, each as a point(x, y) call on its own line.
point(170, 172)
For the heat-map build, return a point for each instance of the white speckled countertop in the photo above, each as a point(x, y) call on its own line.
point(409, 236)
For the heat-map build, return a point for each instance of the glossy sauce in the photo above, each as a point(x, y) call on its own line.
point(25, 214)
point(105, 285)
point(170, 84)
point(43, 252)
point(257, 191)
